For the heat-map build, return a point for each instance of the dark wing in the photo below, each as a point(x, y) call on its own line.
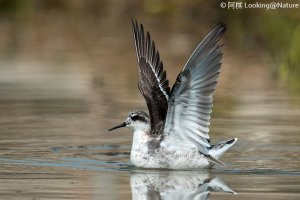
point(153, 82)
point(191, 98)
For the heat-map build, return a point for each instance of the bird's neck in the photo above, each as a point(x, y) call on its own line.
point(140, 137)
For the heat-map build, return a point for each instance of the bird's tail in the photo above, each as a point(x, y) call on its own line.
point(217, 151)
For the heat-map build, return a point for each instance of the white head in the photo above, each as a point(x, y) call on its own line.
point(136, 120)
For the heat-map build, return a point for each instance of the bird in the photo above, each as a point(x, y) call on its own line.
point(175, 133)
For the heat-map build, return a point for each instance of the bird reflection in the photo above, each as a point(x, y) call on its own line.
point(175, 185)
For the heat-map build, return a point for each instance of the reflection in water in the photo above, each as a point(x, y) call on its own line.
point(175, 185)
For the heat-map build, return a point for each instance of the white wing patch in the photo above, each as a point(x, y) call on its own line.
point(159, 81)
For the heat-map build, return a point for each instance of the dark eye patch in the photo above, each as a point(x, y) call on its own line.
point(139, 118)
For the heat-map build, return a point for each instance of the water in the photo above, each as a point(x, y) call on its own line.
point(57, 102)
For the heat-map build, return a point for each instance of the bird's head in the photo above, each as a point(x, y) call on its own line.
point(136, 120)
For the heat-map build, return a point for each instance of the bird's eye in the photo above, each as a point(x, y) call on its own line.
point(134, 117)
point(138, 118)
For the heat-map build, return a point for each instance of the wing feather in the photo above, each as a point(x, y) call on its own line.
point(190, 104)
point(153, 83)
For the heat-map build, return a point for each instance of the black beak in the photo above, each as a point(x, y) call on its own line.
point(119, 126)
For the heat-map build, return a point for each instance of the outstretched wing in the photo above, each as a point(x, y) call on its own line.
point(191, 98)
point(153, 82)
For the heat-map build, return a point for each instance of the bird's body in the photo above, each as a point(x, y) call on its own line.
point(164, 154)
point(175, 133)
point(168, 152)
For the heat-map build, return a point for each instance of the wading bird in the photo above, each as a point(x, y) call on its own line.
point(175, 133)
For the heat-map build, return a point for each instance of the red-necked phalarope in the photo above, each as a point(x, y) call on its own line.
point(175, 135)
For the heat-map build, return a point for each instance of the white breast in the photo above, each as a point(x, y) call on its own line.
point(139, 149)
point(142, 156)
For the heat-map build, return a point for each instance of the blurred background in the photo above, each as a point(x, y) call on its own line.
point(68, 72)
point(91, 33)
